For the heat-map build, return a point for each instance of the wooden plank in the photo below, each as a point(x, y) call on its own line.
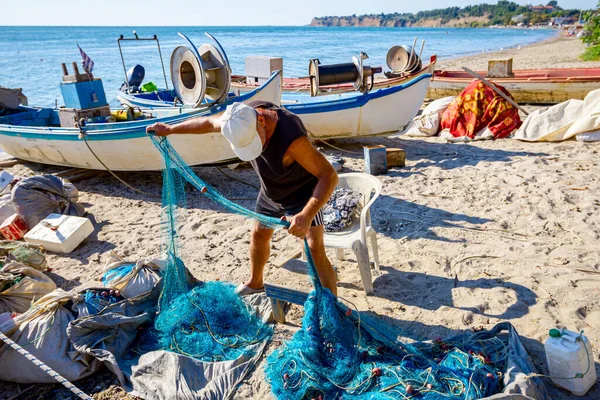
point(69, 171)
point(284, 259)
point(285, 294)
point(10, 162)
point(85, 175)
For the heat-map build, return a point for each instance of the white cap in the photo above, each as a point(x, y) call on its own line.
point(238, 125)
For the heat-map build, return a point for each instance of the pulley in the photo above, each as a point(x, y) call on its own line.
point(200, 73)
point(355, 72)
point(404, 58)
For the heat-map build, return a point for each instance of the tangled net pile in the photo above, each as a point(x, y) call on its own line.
point(333, 357)
point(204, 320)
point(337, 354)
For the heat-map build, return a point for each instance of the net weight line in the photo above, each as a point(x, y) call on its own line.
point(55, 375)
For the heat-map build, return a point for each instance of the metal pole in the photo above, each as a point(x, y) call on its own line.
point(123, 61)
point(161, 62)
point(9, 342)
point(495, 89)
point(412, 53)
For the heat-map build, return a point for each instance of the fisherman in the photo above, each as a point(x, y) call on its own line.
point(295, 179)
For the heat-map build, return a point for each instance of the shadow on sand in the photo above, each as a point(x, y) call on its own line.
point(431, 292)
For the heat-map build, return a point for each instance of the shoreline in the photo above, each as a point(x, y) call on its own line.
point(548, 40)
point(555, 52)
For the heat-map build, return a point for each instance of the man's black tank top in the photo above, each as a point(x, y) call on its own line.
point(290, 186)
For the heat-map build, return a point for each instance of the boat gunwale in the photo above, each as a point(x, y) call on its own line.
point(132, 128)
point(458, 76)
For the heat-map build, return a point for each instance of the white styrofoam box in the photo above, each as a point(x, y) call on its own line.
point(60, 233)
point(5, 179)
point(259, 68)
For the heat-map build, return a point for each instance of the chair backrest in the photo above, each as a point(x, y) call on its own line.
point(362, 183)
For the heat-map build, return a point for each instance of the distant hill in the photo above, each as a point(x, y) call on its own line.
point(502, 13)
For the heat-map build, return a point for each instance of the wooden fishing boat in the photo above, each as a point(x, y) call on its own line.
point(345, 115)
point(291, 89)
point(350, 114)
point(536, 86)
point(35, 134)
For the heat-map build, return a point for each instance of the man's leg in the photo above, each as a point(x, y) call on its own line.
point(317, 249)
point(260, 249)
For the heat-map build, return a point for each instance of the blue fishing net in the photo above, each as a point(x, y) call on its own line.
point(116, 273)
point(204, 320)
point(337, 354)
point(97, 299)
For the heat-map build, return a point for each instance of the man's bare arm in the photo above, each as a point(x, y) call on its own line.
point(199, 125)
point(303, 152)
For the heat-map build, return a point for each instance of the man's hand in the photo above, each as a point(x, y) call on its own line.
point(299, 225)
point(159, 128)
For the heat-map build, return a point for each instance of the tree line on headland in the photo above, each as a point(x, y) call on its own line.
point(504, 13)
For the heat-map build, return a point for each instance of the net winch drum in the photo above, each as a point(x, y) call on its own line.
point(355, 72)
point(403, 59)
point(200, 73)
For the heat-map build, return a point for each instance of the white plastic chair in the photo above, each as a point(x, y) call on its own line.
point(355, 236)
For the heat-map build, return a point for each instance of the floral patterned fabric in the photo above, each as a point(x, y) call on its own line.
point(478, 107)
point(341, 209)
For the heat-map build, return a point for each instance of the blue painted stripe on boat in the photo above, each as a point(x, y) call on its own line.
point(354, 102)
point(120, 130)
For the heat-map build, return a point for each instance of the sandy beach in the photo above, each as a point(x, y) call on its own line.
point(469, 235)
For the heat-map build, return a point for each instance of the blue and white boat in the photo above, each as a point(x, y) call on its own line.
point(337, 115)
point(35, 134)
point(352, 114)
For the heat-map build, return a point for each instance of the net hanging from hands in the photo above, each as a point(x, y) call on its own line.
point(204, 320)
point(331, 356)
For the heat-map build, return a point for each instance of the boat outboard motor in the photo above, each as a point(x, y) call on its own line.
point(355, 72)
point(135, 77)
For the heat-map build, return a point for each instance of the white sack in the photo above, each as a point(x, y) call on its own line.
point(141, 279)
point(43, 332)
point(19, 297)
point(428, 123)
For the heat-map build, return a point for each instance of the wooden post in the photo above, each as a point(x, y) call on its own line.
point(64, 68)
point(75, 68)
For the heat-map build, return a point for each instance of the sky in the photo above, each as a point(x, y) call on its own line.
point(216, 12)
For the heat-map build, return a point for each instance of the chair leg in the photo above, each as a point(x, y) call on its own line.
point(339, 253)
point(373, 239)
point(362, 256)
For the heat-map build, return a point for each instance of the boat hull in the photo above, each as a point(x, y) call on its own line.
point(375, 113)
point(346, 115)
point(549, 86)
point(125, 146)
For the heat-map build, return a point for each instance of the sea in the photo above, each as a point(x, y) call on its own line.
point(31, 57)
